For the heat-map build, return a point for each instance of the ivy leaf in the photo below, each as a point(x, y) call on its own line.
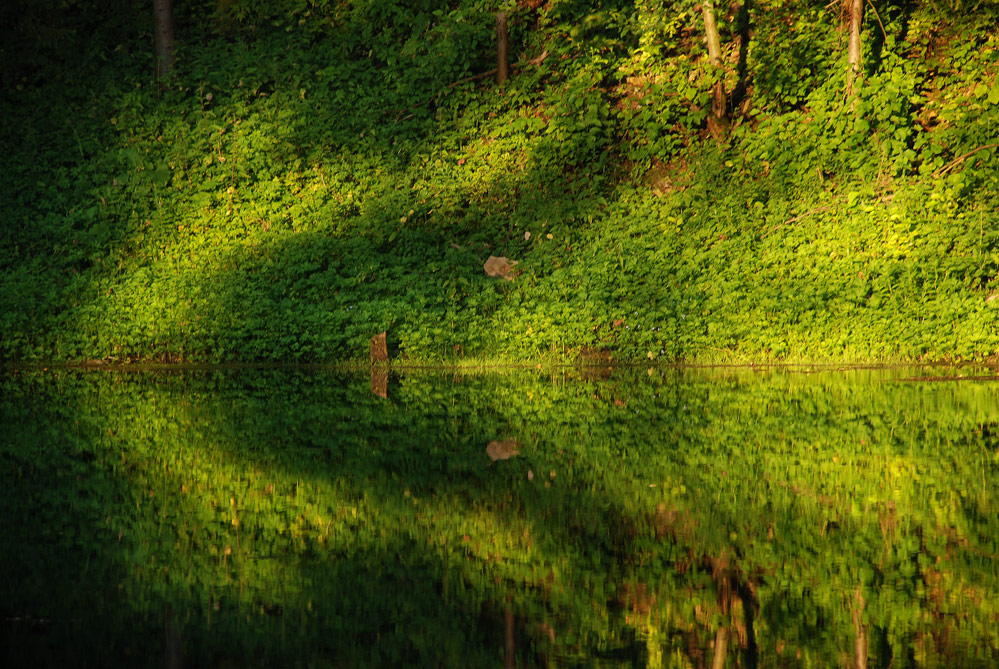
point(161, 175)
point(131, 157)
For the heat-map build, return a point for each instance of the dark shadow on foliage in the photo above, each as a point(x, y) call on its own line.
point(144, 475)
point(364, 601)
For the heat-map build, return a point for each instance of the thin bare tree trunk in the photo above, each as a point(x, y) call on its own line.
point(718, 99)
point(856, 8)
point(502, 40)
point(163, 32)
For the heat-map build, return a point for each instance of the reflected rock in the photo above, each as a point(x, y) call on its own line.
point(502, 450)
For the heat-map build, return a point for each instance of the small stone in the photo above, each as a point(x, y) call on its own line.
point(500, 266)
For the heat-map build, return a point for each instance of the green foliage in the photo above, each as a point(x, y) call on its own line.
point(316, 172)
point(295, 518)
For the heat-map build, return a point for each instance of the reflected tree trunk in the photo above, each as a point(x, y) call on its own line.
point(379, 382)
point(163, 36)
point(173, 655)
point(737, 603)
point(509, 645)
point(749, 608)
point(860, 631)
point(725, 579)
point(721, 648)
point(883, 652)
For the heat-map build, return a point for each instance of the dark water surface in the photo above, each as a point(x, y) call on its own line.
point(681, 518)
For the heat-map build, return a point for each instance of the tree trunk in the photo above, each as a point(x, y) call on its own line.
point(718, 99)
point(502, 39)
point(856, 9)
point(163, 32)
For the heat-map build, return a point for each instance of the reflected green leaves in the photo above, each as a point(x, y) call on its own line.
point(648, 518)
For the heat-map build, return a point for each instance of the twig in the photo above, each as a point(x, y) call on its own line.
point(878, 17)
point(534, 62)
point(885, 197)
point(797, 218)
point(474, 77)
point(960, 159)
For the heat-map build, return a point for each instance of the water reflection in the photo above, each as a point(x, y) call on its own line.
point(687, 518)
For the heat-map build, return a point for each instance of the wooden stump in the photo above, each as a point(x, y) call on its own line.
point(379, 349)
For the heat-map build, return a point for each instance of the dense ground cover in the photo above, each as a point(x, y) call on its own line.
point(316, 172)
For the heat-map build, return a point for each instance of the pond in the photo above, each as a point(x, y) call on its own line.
point(652, 517)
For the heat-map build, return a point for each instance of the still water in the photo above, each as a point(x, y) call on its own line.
point(634, 517)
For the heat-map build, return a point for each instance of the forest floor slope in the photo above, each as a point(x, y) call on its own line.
point(310, 177)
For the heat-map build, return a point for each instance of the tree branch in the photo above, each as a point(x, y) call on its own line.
point(960, 159)
point(797, 218)
point(878, 17)
point(534, 62)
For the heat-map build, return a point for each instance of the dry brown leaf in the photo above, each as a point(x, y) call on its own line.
point(502, 450)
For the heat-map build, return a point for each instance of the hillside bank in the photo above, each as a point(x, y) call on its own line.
point(315, 173)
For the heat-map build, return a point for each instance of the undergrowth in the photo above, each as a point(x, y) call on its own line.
point(315, 173)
